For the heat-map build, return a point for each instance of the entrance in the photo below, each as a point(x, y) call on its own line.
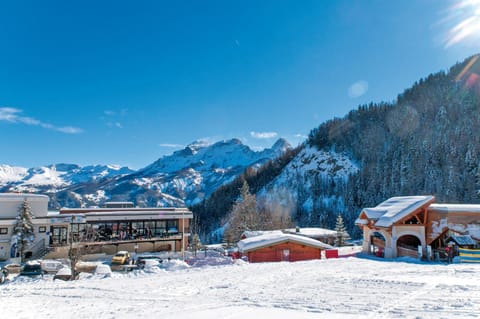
point(407, 245)
point(377, 244)
point(58, 235)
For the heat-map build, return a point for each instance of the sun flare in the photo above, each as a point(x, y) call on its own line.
point(463, 20)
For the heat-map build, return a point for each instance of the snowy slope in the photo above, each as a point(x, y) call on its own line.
point(11, 173)
point(332, 288)
point(305, 177)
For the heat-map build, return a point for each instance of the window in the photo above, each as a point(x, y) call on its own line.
point(3, 231)
point(42, 229)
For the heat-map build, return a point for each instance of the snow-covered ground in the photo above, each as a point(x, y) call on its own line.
point(334, 288)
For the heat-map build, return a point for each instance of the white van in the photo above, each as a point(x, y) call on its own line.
point(51, 266)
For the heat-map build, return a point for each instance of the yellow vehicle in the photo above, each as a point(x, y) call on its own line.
point(121, 258)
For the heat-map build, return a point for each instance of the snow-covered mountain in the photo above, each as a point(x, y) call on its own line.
point(183, 178)
point(189, 175)
point(309, 182)
point(53, 177)
point(223, 155)
point(10, 174)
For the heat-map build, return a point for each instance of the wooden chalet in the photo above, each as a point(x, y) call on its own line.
point(414, 226)
point(281, 247)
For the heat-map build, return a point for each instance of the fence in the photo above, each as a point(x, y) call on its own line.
point(469, 255)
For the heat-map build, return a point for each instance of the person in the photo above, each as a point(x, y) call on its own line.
point(449, 253)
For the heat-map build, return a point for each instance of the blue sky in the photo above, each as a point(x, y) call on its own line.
point(126, 82)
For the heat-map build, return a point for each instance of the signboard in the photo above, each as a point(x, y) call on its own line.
point(75, 219)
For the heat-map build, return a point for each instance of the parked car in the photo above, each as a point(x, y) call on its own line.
point(103, 270)
point(121, 258)
point(148, 261)
point(51, 266)
point(13, 268)
point(3, 275)
point(31, 270)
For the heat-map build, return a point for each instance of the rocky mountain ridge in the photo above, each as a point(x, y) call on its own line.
point(183, 178)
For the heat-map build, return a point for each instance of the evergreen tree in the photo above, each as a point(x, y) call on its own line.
point(24, 231)
point(342, 235)
point(244, 215)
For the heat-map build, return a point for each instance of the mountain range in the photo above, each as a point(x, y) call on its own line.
point(183, 178)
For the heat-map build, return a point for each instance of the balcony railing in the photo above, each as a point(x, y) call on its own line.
point(115, 239)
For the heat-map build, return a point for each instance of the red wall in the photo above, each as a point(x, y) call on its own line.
point(297, 252)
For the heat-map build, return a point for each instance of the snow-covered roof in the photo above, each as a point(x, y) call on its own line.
point(453, 208)
point(254, 233)
point(360, 221)
point(463, 240)
point(396, 208)
point(252, 243)
point(312, 232)
point(21, 196)
point(374, 213)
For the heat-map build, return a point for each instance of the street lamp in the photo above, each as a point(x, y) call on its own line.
point(19, 246)
point(183, 235)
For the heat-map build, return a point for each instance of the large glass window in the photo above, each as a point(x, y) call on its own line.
point(160, 228)
point(172, 226)
point(149, 228)
point(124, 230)
point(77, 232)
point(137, 229)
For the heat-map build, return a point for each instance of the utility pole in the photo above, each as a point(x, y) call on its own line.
point(73, 255)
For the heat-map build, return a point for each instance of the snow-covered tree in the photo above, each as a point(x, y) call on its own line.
point(244, 215)
point(24, 231)
point(342, 235)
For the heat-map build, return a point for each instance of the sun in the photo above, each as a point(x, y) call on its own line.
point(463, 20)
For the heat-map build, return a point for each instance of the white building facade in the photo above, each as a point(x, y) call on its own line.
point(10, 207)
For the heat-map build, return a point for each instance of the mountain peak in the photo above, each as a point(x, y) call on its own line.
point(198, 144)
point(281, 145)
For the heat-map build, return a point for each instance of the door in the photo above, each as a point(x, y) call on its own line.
point(58, 235)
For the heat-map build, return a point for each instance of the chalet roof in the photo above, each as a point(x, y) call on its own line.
point(256, 242)
point(462, 240)
point(312, 232)
point(254, 233)
point(374, 213)
point(394, 209)
point(455, 208)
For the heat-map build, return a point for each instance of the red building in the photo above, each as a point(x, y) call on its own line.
point(281, 247)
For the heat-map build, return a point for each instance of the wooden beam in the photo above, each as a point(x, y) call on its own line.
point(417, 218)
